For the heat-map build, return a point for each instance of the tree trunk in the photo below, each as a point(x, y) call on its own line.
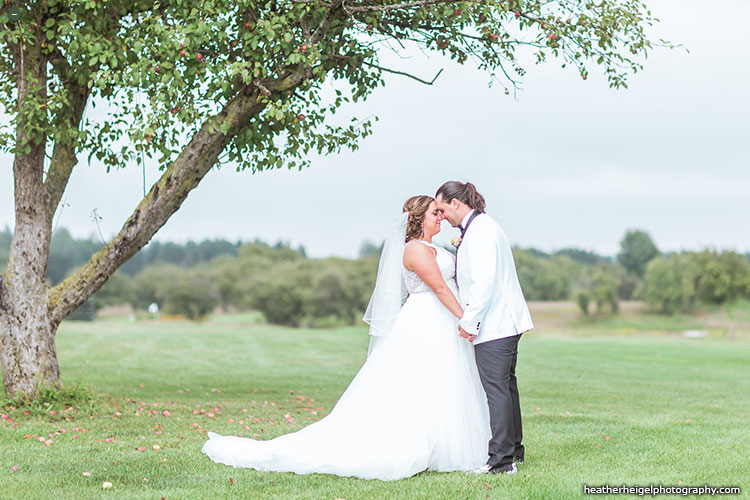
point(27, 336)
point(27, 349)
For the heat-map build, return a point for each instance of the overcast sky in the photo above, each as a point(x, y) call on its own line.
point(567, 163)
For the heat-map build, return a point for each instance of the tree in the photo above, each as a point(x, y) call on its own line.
point(152, 285)
point(223, 272)
point(545, 278)
point(582, 256)
point(669, 283)
point(604, 291)
point(236, 82)
point(116, 292)
point(341, 290)
point(193, 294)
point(598, 284)
point(282, 292)
point(721, 277)
point(636, 250)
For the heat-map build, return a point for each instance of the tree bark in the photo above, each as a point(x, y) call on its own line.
point(27, 337)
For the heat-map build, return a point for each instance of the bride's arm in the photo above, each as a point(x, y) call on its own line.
point(421, 259)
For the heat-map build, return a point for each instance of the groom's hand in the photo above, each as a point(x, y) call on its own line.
point(463, 333)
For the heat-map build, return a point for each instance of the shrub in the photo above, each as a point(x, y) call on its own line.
point(544, 278)
point(721, 277)
point(193, 294)
point(669, 283)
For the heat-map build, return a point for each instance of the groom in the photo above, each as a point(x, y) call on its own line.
point(495, 315)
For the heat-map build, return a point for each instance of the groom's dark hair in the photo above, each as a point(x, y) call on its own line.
point(464, 192)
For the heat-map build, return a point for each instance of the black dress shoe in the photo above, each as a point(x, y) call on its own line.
point(504, 469)
point(518, 460)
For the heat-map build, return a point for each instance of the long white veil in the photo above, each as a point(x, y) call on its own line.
point(390, 290)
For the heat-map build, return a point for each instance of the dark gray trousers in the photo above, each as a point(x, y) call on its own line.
point(496, 361)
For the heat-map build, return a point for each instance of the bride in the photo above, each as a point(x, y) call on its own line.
point(417, 403)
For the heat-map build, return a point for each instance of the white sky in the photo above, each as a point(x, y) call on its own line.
point(568, 163)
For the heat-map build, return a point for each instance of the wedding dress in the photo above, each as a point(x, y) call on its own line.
point(416, 404)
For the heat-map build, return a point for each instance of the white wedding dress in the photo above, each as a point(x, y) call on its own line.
point(416, 404)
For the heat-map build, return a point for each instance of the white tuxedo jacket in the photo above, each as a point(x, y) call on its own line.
point(488, 287)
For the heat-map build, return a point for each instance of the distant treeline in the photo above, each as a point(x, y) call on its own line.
point(68, 254)
point(194, 279)
point(667, 282)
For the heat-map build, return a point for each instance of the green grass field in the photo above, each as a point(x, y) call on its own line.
point(599, 408)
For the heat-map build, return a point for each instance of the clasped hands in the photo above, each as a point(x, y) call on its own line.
point(463, 333)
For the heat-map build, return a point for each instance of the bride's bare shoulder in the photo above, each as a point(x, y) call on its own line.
point(419, 247)
point(415, 252)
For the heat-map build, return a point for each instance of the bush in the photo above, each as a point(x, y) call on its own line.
point(320, 292)
point(223, 272)
point(605, 286)
point(239, 278)
point(599, 284)
point(151, 285)
point(721, 277)
point(193, 294)
point(544, 278)
point(282, 293)
point(583, 299)
point(629, 284)
point(669, 283)
point(342, 288)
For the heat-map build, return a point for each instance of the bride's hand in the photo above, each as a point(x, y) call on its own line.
point(463, 333)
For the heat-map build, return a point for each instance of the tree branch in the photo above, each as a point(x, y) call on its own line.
point(63, 155)
point(396, 6)
point(166, 195)
point(403, 73)
point(180, 178)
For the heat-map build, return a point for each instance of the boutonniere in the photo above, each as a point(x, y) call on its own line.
point(456, 241)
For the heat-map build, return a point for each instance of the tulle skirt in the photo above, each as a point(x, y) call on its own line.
point(416, 404)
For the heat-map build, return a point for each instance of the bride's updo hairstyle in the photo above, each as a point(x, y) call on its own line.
point(416, 207)
point(464, 192)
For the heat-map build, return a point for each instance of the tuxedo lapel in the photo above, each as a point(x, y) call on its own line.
point(463, 233)
point(468, 223)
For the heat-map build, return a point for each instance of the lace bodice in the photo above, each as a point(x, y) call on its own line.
point(446, 264)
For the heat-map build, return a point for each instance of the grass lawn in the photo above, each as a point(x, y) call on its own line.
point(600, 408)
